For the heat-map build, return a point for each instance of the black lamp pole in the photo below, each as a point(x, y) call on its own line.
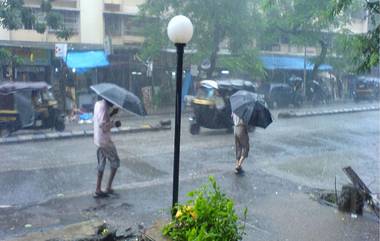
point(177, 132)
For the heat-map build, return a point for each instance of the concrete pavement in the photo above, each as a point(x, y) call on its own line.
point(287, 161)
point(74, 130)
point(327, 111)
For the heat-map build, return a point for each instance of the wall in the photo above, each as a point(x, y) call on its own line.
point(91, 21)
point(4, 34)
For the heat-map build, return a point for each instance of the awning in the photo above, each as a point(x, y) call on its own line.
point(272, 62)
point(86, 59)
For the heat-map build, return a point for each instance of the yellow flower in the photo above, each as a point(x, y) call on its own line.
point(188, 208)
point(179, 213)
point(194, 215)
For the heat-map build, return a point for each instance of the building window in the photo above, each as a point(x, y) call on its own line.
point(71, 20)
point(133, 25)
point(112, 7)
point(112, 24)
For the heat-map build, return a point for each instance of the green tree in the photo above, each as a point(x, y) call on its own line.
point(362, 51)
point(216, 22)
point(14, 15)
point(300, 22)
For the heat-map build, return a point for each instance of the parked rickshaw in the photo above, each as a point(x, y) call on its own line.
point(28, 105)
point(366, 88)
point(211, 107)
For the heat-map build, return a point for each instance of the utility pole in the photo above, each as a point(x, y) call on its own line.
point(304, 73)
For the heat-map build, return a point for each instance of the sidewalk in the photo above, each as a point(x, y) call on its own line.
point(277, 210)
point(330, 109)
point(130, 124)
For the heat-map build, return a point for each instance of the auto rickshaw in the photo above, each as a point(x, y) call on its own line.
point(211, 107)
point(367, 88)
point(28, 105)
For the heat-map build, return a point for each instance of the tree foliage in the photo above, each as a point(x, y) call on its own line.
point(362, 50)
point(216, 22)
point(299, 22)
point(14, 15)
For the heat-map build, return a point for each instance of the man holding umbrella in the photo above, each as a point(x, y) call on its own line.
point(247, 110)
point(106, 148)
point(111, 95)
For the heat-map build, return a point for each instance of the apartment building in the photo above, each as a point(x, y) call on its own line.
point(111, 25)
point(92, 23)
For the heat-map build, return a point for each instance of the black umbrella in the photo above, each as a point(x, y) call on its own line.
point(120, 97)
point(250, 108)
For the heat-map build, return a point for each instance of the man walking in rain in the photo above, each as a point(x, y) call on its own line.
point(241, 141)
point(106, 148)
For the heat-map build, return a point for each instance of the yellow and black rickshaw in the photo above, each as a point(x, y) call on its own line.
point(210, 106)
point(28, 105)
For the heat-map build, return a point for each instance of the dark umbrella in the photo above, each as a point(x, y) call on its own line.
point(250, 108)
point(120, 97)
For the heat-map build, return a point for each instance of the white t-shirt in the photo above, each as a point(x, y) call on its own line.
point(102, 124)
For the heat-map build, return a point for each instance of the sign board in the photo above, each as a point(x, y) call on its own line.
point(206, 64)
point(60, 50)
point(107, 45)
point(149, 68)
point(194, 70)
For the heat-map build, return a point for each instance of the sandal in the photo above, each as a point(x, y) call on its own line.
point(110, 191)
point(238, 169)
point(100, 194)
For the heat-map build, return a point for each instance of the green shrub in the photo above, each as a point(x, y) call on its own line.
point(208, 216)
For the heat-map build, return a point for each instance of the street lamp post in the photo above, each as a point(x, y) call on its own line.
point(180, 31)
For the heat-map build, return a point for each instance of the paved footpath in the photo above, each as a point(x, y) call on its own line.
point(133, 124)
point(75, 129)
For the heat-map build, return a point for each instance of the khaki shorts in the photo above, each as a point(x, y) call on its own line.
point(107, 153)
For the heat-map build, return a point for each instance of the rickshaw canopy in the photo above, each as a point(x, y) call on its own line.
point(11, 87)
point(237, 84)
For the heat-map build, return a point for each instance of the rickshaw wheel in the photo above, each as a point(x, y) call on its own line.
point(194, 129)
point(60, 125)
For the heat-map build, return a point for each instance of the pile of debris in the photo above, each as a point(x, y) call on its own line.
point(352, 197)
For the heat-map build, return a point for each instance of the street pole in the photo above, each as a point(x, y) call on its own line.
point(304, 74)
point(180, 31)
point(177, 131)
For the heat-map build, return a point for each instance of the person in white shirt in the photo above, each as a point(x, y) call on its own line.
point(106, 148)
point(241, 141)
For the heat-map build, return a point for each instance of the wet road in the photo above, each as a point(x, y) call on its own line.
point(291, 155)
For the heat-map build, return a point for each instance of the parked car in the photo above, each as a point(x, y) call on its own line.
point(280, 95)
point(366, 88)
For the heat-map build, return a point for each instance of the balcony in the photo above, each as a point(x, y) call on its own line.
point(27, 35)
point(133, 40)
point(117, 2)
point(33, 36)
point(62, 4)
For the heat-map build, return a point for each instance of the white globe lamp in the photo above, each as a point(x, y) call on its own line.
point(180, 29)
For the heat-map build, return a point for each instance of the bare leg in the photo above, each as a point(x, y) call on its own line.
point(99, 182)
point(110, 180)
point(240, 162)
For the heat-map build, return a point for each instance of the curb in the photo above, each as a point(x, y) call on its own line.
point(291, 114)
point(76, 134)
